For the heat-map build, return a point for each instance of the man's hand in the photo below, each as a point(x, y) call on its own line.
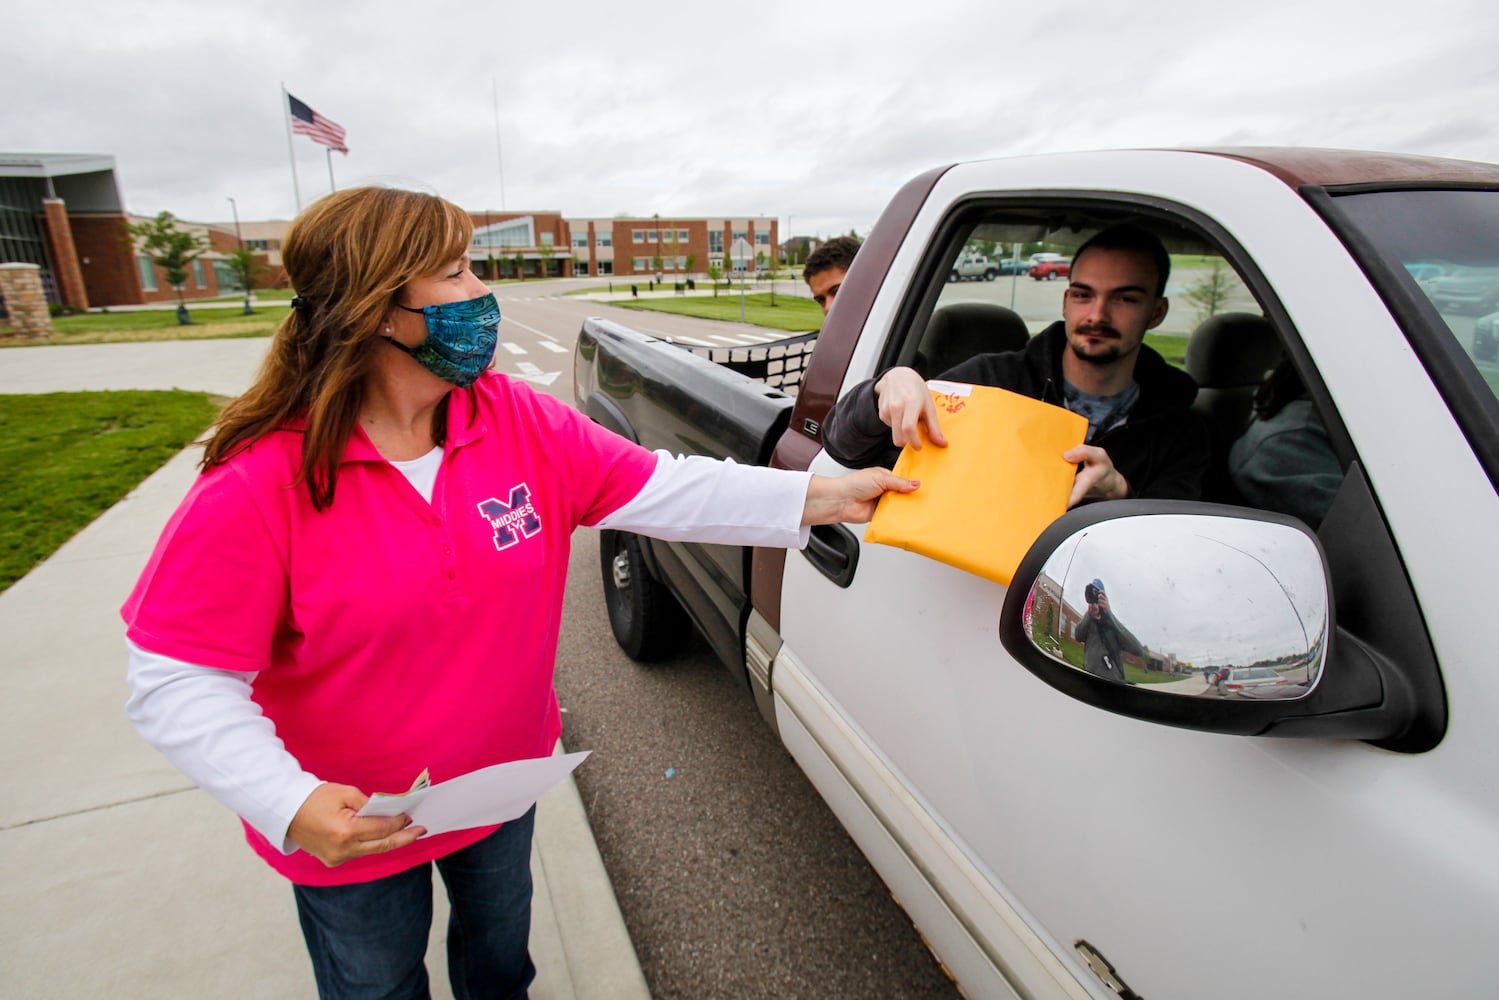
point(906, 404)
point(1098, 479)
point(850, 499)
point(327, 828)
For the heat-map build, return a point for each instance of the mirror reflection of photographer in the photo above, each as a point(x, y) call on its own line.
point(1105, 640)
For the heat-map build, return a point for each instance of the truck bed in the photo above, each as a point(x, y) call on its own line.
point(725, 403)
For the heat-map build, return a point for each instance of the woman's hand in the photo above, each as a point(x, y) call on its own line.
point(850, 498)
point(327, 828)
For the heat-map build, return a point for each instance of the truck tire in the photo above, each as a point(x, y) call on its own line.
point(952, 276)
point(646, 619)
point(990, 274)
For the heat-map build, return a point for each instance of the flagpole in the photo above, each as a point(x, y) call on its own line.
point(291, 151)
point(329, 152)
point(499, 152)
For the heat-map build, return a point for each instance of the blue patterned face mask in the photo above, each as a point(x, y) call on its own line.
point(461, 338)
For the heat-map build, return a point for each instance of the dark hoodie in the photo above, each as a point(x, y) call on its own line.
point(1161, 447)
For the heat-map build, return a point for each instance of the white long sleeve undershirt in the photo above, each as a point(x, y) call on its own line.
point(204, 722)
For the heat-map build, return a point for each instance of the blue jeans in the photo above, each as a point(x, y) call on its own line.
point(369, 940)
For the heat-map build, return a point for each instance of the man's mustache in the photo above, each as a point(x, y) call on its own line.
point(1094, 331)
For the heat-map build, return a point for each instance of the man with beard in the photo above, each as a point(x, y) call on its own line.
point(1143, 439)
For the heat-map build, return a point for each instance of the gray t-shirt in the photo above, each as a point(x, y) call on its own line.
point(1103, 412)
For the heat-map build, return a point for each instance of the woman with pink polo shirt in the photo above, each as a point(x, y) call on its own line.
point(367, 579)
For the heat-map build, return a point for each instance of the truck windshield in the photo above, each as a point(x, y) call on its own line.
point(1447, 243)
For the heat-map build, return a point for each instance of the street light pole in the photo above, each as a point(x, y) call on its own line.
point(241, 239)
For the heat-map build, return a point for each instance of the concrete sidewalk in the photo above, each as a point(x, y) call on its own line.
point(121, 879)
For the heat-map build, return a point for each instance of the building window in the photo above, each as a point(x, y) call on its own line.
point(198, 273)
point(762, 239)
point(148, 274)
point(224, 276)
point(261, 245)
point(603, 239)
point(546, 239)
point(580, 267)
point(606, 267)
point(640, 264)
point(682, 236)
point(652, 235)
point(741, 234)
point(715, 241)
point(580, 239)
point(510, 233)
point(638, 235)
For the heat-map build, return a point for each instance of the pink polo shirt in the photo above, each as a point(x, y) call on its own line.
point(390, 634)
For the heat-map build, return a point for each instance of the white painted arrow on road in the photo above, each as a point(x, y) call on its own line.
point(532, 373)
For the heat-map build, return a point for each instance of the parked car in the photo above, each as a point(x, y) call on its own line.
point(1240, 678)
point(1011, 265)
point(1060, 267)
point(1486, 337)
point(1465, 290)
point(975, 266)
point(1034, 820)
point(1423, 270)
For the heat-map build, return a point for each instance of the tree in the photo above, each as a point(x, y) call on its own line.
point(246, 269)
point(691, 262)
point(520, 261)
point(171, 249)
point(1209, 293)
point(715, 271)
point(547, 253)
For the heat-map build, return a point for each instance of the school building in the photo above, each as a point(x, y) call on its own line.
point(64, 213)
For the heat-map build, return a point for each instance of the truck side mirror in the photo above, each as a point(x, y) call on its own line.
point(1210, 617)
point(1187, 606)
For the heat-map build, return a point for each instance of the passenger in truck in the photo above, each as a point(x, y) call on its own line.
point(826, 267)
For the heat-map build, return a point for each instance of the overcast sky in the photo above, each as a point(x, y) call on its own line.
point(812, 111)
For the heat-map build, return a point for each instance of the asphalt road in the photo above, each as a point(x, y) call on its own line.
point(734, 878)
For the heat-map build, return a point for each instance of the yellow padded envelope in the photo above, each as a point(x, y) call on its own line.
point(987, 496)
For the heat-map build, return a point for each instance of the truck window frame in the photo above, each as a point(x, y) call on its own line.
point(953, 231)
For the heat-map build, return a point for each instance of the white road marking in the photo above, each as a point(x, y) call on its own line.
point(553, 346)
point(532, 373)
point(513, 348)
point(539, 333)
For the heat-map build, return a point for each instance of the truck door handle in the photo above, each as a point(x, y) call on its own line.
point(834, 550)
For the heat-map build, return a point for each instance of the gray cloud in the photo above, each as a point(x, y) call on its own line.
point(775, 109)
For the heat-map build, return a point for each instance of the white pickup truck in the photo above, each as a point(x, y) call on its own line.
point(1296, 796)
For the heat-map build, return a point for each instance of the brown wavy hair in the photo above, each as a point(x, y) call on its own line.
point(348, 256)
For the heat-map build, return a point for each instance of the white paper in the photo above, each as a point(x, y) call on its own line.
point(484, 797)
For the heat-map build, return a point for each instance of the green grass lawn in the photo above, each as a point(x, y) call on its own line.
point(158, 324)
point(1171, 347)
point(790, 313)
point(68, 456)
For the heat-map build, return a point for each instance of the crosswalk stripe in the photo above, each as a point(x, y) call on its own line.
point(554, 347)
point(513, 348)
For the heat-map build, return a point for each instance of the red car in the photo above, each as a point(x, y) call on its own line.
point(1059, 268)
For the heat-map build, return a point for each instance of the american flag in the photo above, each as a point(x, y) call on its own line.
point(305, 121)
